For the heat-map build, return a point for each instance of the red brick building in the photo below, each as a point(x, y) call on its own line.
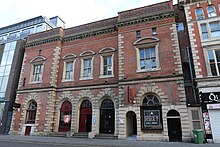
point(203, 20)
point(121, 76)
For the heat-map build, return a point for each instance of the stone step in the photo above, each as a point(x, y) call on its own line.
point(80, 135)
point(106, 136)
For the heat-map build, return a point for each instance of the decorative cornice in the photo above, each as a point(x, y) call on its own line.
point(49, 40)
point(146, 19)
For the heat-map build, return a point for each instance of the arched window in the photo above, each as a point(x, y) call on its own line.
point(211, 11)
point(31, 113)
point(107, 104)
point(199, 14)
point(151, 113)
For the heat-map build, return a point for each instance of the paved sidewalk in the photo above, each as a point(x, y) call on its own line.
point(97, 142)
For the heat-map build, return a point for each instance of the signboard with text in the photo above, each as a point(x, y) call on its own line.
point(151, 118)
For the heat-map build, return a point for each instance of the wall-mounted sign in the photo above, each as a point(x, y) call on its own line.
point(151, 118)
point(212, 97)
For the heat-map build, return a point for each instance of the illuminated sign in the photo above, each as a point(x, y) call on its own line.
point(151, 118)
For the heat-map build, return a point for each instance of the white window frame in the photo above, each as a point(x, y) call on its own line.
point(207, 22)
point(210, 14)
point(106, 52)
point(199, 17)
point(32, 72)
point(39, 60)
point(67, 59)
point(82, 68)
point(209, 71)
point(157, 58)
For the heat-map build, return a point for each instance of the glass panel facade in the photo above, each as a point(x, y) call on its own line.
point(5, 66)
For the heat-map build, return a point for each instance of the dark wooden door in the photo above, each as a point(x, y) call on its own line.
point(107, 120)
point(174, 129)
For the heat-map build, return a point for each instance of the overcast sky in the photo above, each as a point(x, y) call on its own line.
point(73, 12)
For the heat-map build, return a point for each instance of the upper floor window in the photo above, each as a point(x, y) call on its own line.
point(199, 14)
point(87, 65)
point(148, 58)
point(211, 11)
point(87, 68)
point(106, 65)
point(214, 61)
point(180, 26)
point(68, 71)
point(138, 34)
point(210, 30)
point(147, 54)
point(154, 31)
point(37, 69)
point(31, 113)
point(37, 72)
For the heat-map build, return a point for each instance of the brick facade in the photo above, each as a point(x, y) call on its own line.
point(119, 35)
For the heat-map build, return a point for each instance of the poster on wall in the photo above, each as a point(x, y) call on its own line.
point(207, 123)
point(151, 118)
point(66, 119)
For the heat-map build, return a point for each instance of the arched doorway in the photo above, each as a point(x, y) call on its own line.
point(65, 117)
point(30, 116)
point(131, 123)
point(85, 118)
point(107, 117)
point(174, 126)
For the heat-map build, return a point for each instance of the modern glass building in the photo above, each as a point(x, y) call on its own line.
point(12, 40)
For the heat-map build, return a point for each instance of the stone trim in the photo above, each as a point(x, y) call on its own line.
point(50, 40)
point(50, 113)
point(150, 88)
point(120, 56)
point(176, 49)
point(22, 71)
point(55, 66)
point(193, 43)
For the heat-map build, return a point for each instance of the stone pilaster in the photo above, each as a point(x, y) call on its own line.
point(120, 56)
point(22, 71)
point(176, 49)
point(55, 66)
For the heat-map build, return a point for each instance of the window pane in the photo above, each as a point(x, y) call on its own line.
point(148, 64)
point(142, 64)
point(213, 69)
point(110, 60)
point(215, 29)
point(2, 70)
point(89, 72)
point(7, 70)
point(217, 54)
point(2, 96)
point(154, 64)
point(4, 84)
point(199, 14)
point(10, 57)
point(195, 115)
point(196, 125)
point(211, 56)
point(7, 47)
point(204, 31)
point(147, 53)
point(211, 11)
point(4, 58)
point(141, 54)
point(13, 45)
point(105, 70)
point(105, 61)
point(152, 50)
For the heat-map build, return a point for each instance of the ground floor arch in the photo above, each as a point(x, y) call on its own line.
point(107, 117)
point(174, 126)
point(85, 118)
point(131, 124)
point(65, 116)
